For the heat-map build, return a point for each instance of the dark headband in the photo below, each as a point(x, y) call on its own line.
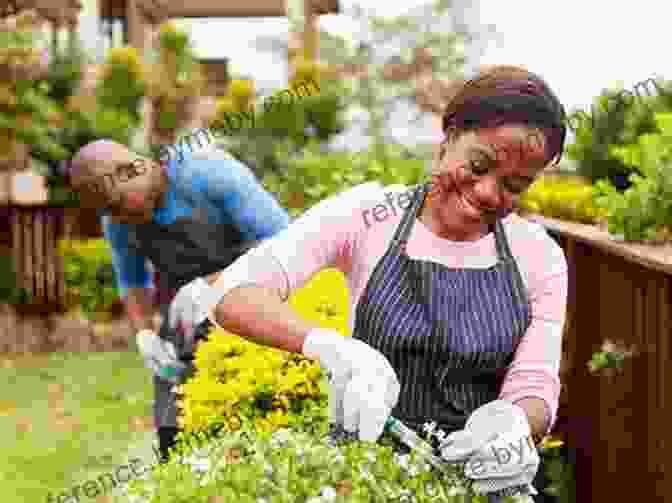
point(512, 107)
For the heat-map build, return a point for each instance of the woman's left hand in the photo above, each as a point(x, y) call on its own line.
point(497, 446)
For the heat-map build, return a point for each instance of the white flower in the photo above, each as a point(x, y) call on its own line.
point(456, 490)
point(429, 427)
point(198, 464)
point(328, 493)
point(402, 460)
point(440, 435)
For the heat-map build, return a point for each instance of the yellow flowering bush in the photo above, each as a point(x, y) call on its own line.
point(569, 198)
point(242, 93)
point(239, 383)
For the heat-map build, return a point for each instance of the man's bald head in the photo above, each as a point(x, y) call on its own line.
point(107, 174)
point(99, 157)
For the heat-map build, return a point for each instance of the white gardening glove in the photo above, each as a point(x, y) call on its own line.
point(363, 385)
point(190, 308)
point(496, 445)
point(160, 356)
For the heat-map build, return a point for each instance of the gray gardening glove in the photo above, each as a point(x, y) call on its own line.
point(363, 386)
point(496, 446)
point(190, 308)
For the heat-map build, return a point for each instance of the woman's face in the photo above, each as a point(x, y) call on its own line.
point(481, 174)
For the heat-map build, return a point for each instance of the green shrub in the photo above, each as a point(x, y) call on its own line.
point(112, 112)
point(644, 211)
point(26, 111)
point(9, 293)
point(314, 175)
point(614, 122)
point(89, 276)
point(280, 126)
point(294, 466)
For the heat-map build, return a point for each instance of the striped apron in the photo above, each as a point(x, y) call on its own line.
point(450, 334)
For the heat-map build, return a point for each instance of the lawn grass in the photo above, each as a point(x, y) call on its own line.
point(68, 417)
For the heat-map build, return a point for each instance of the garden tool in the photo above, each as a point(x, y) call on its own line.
point(501, 489)
point(160, 356)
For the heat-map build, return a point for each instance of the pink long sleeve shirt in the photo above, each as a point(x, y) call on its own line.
point(352, 230)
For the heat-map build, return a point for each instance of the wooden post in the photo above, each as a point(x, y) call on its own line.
point(136, 30)
point(303, 38)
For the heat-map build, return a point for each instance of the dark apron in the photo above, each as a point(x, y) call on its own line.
point(450, 334)
point(181, 252)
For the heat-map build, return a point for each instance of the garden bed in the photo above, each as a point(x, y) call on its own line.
point(622, 293)
point(656, 257)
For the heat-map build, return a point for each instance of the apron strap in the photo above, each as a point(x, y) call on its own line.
point(404, 228)
point(519, 291)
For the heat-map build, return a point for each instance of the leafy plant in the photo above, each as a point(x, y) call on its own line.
point(644, 211)
point(9, 292)
point(291, 465)
point(610, 359)
point(111, 110)
point(313, 175)
point(89, 276)
point(278, 124)
point(558, 471)
point(122, 84)
point(176, 80)
point(26, 111)
point(614, 122)
point(240, 383)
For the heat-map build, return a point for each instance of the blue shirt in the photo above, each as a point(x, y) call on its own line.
point(210, 188)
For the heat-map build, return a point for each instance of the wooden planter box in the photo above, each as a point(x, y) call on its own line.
point(617, 425)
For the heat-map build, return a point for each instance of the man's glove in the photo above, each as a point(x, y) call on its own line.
point(496, 444)
point(160, 356)
point(190, 308)
point(363, 385)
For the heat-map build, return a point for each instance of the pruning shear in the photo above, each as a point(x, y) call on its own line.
point(410, 439)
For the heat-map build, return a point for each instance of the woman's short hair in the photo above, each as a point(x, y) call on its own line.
point(506, 95)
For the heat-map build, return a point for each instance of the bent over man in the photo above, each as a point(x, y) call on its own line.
point(190, 217)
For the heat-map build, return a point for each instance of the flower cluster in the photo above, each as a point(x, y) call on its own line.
point(296, 466)
point(239, 382)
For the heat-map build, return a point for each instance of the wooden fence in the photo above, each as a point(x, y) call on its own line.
point(617, 425)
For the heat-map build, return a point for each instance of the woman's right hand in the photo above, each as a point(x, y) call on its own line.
point(363, 385)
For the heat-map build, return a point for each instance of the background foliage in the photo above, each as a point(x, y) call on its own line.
point(614, 122)
point(306, 178)
point(89, 276)
point(565, 197)
point(281, 125)
point(26, 110)
point(175, 80)
point(644, 211)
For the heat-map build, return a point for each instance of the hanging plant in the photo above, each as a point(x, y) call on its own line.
point(176, 82)
point(26, 110)
point(122, 83)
